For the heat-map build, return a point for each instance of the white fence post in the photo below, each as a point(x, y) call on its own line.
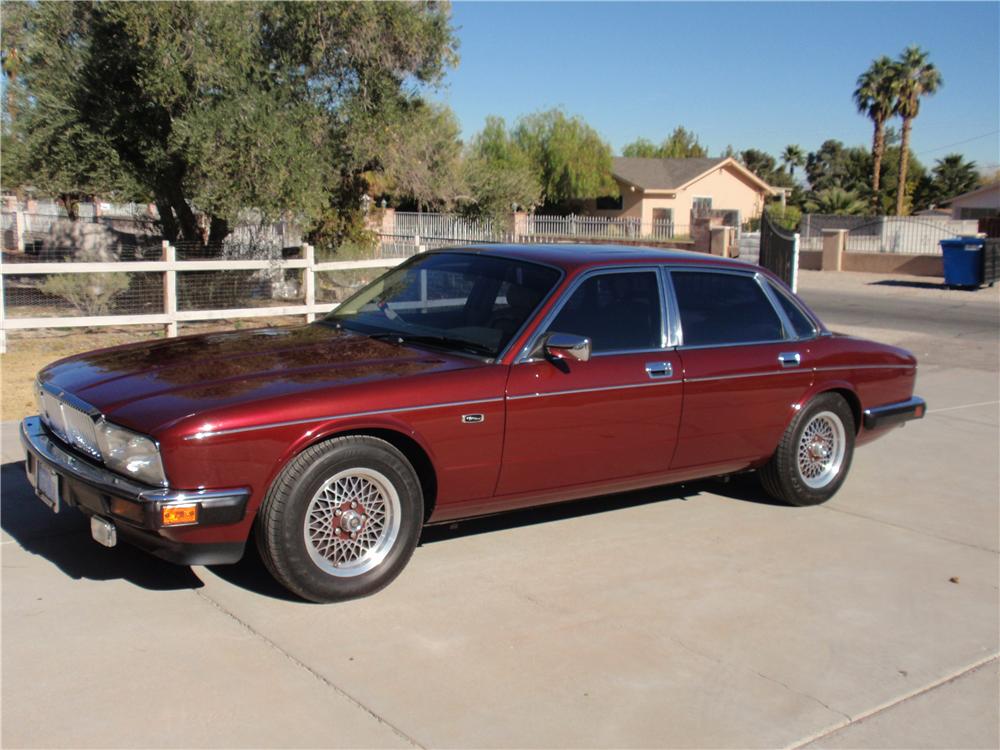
point(795, 263)
point(170, 290)
point(3, 316)
point(309, 279)
point(19, 228)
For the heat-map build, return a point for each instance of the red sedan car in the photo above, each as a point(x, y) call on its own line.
point(461, 383)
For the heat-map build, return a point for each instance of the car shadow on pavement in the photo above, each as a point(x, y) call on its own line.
point(64, 540)
point(743, 488)
point(910, 284)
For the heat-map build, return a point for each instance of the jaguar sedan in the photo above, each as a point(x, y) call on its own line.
point(463, 382)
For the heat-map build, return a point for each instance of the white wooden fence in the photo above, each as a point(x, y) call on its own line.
point(170, 267)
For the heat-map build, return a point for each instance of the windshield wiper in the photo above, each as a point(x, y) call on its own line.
point(445, 342)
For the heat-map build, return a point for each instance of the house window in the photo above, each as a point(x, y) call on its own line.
point(701, 206)
point(609, 203)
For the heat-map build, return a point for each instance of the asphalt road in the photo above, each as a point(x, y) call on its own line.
point(687, 616)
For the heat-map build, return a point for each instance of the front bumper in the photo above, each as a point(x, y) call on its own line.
point(135, 509)
point(879, 417)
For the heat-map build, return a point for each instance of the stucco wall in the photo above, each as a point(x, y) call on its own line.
point(913, 265)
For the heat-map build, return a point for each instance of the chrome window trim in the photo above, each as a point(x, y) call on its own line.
point(786, 322)
point(310, 420)
point(524, 357)
point(675, 334)
point(774, 292)
point(748, 273)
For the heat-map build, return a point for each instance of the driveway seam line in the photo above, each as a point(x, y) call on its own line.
point(302, 665)
point(908, 528)
point(869, 713)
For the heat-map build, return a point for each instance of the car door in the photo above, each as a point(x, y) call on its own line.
point(745, 368)
point(575, 423)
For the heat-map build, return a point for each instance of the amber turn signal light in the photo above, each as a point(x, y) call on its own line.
point(178, 514)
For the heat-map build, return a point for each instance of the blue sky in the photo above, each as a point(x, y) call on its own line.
point(757, 75)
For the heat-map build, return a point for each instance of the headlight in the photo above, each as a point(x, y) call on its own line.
point(130, 454)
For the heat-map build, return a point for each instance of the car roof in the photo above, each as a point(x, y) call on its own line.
point(572, 257)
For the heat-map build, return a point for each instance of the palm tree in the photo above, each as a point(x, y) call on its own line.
point(835, 200)
point(953, 175)
point(875, 97)
point(793, 156)
point(915, 77)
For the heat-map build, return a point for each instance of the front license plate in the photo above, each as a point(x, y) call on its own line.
point(48, 487)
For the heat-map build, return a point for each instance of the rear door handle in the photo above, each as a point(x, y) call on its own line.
point(790, 359)
point(659, 369)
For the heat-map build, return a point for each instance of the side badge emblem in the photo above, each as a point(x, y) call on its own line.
point(472, 418)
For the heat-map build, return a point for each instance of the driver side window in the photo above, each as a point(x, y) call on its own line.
point(617, 311)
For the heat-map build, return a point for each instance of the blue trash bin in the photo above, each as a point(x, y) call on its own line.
point(963, 261)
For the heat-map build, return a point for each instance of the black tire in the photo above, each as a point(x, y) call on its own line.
point(812, 478)
point(320, 484)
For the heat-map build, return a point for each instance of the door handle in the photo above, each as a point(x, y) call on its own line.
point(790, 359)
point(659, 369)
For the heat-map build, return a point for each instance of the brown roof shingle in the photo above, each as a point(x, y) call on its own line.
point(661, 174)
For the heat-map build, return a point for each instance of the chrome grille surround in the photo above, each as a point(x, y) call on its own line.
point(71, 424)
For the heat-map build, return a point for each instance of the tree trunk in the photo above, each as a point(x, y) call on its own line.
point(217, 232)
point(904, 159)
point(168, 225)
point(878, 148)
point(69, 204)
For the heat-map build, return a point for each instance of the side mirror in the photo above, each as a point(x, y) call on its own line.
point(567, 346)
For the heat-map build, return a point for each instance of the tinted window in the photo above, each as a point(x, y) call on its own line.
point(616, 311)
point(460, 300)
point(802, 325)
point(723, 308)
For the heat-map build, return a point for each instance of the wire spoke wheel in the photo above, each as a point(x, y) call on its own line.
point(352, 522)
point(821, 449)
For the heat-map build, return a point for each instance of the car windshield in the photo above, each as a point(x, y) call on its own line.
point(462, 301)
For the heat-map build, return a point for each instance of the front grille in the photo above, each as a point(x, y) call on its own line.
point(73, 426)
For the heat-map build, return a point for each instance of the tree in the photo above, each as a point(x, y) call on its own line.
point(499, 173)
point(569, 158)
point(759, 162)
point(793, 157)
point(833, 165)
point(875, 97)
point(680, 144)
point(953, 176)
point(641, 148)
point(425, 163)
point(220, 107)
point(835, 200)
point(914, 77)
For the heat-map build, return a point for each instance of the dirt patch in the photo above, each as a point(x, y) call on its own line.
point(30, 351)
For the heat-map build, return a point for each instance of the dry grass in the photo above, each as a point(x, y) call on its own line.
point(30, 351)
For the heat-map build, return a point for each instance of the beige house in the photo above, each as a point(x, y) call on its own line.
point(976, 204)
point(676, 189)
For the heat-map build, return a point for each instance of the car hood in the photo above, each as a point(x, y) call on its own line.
point(151, 385)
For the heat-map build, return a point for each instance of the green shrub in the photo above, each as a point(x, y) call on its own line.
point(90, 293)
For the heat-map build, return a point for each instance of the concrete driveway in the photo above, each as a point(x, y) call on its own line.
point(694, 616)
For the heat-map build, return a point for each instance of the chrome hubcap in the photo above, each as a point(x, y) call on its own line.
point(821, 450)
point(352, 522)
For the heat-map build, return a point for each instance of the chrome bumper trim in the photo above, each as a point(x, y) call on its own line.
point(890, 414)
point(37, 442)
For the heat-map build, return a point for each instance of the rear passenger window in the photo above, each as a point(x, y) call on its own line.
point(802, 325)
point(723, 308)
point(616, 311)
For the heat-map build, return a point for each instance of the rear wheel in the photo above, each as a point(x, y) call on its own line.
point(341, 520)
point(814, 455)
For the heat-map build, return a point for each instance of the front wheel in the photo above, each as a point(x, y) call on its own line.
point(814, 454)
point(341, 520)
